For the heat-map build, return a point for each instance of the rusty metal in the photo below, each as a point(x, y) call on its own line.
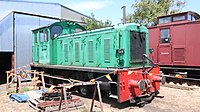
point(94, 95)
point(124, 14)
point(62, 96)
point(100, 98)
point(54, 103)
point(97, 89)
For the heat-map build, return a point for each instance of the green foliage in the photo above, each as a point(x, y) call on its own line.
point(92, 23)
point(146, 11)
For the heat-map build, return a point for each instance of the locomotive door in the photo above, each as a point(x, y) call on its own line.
point(165, 47)
point(35, 48)
point(44, 50)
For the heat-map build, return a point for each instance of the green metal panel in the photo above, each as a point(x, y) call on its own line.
point(96, 48)
point(66, 52)
point(35, 49)
point(77, 57)
point(43, 43)
point(107, 50)
point(91, 51)
point(77, 51)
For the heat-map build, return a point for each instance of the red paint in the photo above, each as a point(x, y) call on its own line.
point(183, 48)
point(128, 83)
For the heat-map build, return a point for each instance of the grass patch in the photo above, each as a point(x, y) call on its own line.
point(23, 89)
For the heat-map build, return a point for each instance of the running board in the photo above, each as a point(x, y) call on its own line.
point(113, 96)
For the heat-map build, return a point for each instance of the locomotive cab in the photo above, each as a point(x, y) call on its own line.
point(44, 40)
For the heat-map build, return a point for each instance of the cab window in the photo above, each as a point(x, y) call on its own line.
point(165, 36)
point(36, 37)
point(56, 31)
point(44, 36)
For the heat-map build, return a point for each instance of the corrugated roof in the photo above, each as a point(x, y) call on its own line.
point(46, 3)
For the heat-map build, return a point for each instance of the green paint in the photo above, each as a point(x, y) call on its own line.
point(96, 48)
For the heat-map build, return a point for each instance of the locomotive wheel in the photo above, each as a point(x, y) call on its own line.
point(86, 90)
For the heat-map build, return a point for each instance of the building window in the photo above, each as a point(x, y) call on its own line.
point(164, 20)
point(165, 35)
point(179, 18)
point(56, 31)
point(44, 36)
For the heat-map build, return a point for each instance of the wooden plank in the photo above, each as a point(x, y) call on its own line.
point(43, 83)
point(100, 98)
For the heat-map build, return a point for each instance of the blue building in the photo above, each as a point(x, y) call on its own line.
point(17, 19)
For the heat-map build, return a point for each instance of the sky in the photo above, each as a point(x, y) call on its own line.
point(110, 9)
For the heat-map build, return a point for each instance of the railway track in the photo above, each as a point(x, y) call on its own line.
point(181, 83)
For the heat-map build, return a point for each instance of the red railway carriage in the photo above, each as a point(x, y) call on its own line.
point(175, 41)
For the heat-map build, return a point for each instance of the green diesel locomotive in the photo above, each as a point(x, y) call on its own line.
point(67, 43)
point(65, 48)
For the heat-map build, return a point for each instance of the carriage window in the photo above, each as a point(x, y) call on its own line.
point(56, 31)
point(164, 35)
point(191, 17)
point(44, 36)
point(179, 18)
point(164, 20)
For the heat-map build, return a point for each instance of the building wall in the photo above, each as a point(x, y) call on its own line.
point(71, 15)
point(16, 35)
point(16, 27)
point(24, 24)
point(51, 9)
point(6, 35)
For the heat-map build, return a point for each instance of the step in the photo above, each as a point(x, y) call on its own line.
point(113, 96)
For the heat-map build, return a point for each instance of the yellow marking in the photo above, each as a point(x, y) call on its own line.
point(108, 77)
point(51, 88)
point(179, 76)
point(92, 81)
point(130, 72)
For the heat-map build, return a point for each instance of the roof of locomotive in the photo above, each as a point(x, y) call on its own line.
point(60, 22)
point(127, 27)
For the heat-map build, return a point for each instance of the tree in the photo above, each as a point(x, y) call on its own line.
point(146, 11)
point(91, 23)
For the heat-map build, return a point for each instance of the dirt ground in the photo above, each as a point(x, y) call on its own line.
point(176, 99)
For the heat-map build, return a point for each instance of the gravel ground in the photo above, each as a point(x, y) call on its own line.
point(176, 99)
